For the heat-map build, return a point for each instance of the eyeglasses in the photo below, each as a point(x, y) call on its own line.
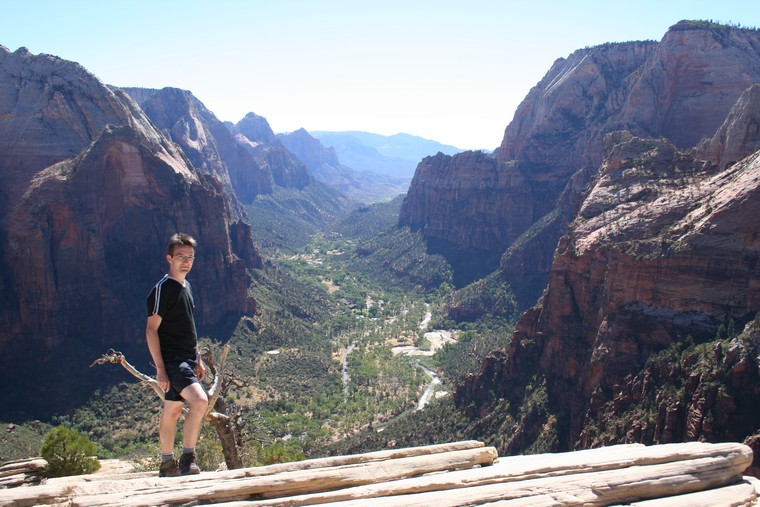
point(184, 258)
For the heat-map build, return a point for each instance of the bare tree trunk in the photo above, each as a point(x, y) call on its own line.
point(225, 429)
point(220, 419)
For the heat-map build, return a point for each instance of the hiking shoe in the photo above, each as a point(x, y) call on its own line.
point(187, 464)
point(168, 468)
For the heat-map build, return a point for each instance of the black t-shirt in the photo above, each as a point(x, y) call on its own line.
point(174, 303)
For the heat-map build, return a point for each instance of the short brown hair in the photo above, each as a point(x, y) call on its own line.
point(180, 239)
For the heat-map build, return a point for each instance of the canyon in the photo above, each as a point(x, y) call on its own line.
point(621, 207)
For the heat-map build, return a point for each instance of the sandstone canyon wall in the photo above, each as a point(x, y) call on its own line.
point(739, 134)
point(658, 253)
point(665, 246)
point(91, 191)
point(206, 141)
point(255, 135)
point(681, 87)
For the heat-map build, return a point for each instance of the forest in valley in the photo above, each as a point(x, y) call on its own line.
point(351, 339)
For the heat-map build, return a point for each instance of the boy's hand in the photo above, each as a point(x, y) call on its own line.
point(200, 369)
point(162, 379)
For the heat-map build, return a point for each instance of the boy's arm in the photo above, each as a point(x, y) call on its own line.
point(154, 346)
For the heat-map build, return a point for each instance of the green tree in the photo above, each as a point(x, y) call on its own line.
point(68, 452)
point(276, 453)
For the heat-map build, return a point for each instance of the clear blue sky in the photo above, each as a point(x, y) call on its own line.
point(449, 70)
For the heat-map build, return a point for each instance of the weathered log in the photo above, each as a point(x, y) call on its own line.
point(21, 472)
point(12, 481)
point(738, 495)
point(589, 489)
point(521, 468)
point(244, 483)
point(744, 493)
point(333, 461)
point(30, 465)
point(683, 474)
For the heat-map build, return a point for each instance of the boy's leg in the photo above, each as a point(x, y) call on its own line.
point(167, 428)
point(196, 398)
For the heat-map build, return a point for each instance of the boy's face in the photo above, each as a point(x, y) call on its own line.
point(181, 261)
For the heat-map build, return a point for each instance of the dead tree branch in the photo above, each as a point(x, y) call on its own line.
point(222, 423)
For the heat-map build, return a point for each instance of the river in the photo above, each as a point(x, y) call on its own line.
point(437, 339)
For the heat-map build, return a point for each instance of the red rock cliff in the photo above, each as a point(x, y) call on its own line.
point(91, 192)
point(682, 87)
point(664, 246)
point(739, 134)
point(255, 135)
point(208, 143)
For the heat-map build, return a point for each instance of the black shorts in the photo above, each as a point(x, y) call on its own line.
point(181, 374)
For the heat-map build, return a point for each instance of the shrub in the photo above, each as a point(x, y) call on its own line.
point(275, 453)
point(68, 452)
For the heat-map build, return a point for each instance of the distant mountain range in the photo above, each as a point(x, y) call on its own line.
point(365, 167)
point(396, 155)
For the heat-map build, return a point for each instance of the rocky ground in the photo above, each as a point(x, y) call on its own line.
point(115, 467)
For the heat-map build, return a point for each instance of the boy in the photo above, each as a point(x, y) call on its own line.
point(172, 342)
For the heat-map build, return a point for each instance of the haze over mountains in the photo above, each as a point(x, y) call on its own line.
point(621, 209)
point(366, 167)
point(396, 155)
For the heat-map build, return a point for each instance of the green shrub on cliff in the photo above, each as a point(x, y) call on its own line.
point(68, 452)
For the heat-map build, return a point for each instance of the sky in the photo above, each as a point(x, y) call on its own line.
point(450, 71)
